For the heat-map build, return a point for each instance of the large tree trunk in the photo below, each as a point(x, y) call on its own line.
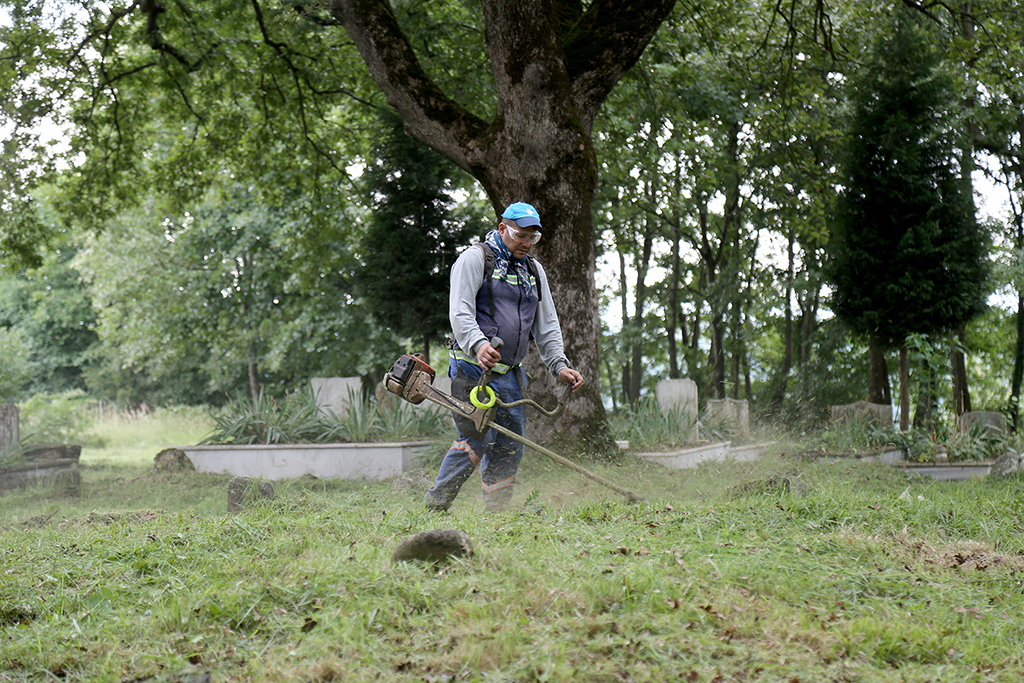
point(553, 68)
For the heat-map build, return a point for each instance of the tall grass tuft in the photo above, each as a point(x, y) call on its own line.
point(296, 419)
point(646, 427)
point(299, 419)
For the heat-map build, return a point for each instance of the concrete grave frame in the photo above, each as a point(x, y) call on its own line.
point(377, 461)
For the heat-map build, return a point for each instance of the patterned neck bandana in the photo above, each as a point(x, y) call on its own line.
point(503, 259)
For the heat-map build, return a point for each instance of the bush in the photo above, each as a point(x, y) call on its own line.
point(57, 418)
point(15, 365)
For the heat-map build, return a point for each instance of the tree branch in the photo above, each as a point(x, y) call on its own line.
point(605, 43)
point(153, 9)
point(427, 111)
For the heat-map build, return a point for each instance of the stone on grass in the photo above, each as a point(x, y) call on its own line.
point(243, 492)
point(435, 545)
point(1006, 465)
point(170, 459)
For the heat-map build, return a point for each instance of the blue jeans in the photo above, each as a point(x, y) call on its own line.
point(497, 454)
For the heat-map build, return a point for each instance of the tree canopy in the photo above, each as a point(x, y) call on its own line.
point(907, 255)
point(684, 157)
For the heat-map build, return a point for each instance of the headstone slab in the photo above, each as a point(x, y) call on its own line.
point(994, 422)
point(879, 414)
point(679, 397)
point(729, 413)
point(334, 393)
point(1009, 464)
point(170, 459)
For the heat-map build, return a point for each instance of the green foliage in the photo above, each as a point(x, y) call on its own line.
point(907, 254)
point(646, 427)
point(977, 443)
point(186, 301)
point(712, 578)
point(860, 438)
point(413, 237)
point(49, 310)
point(64, 418)
point(857, 438)
point(296, 419)
point(15, 364)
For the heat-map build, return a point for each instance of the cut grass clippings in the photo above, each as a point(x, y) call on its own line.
point(847, 573)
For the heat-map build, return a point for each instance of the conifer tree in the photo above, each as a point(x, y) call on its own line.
point(413, 236)
point(907, 254)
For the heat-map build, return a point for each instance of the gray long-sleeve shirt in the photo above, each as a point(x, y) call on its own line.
point(466, 282)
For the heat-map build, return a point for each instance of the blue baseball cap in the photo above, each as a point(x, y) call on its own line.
point(524, 215)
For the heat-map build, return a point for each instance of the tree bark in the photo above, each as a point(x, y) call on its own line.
point(958, 370)
point(673, 322)
point(904, 390)
point(10, 435)
point(782, 378)
point(878, 374)
point(1018, 364)
point(637, 339)
point(551, 77)
point(252, 366)
point(624, 333)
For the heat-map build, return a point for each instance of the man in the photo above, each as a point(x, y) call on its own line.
point(514, 305)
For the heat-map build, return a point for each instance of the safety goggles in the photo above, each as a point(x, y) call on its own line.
point(522, 236)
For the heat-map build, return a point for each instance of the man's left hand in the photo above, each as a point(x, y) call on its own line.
point(571, 377)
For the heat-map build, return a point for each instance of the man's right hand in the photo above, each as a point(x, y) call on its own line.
point(487, 356)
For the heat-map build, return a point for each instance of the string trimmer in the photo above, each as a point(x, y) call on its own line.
point(411, 378)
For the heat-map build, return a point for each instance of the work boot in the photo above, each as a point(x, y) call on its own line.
point(498, 501)
point(434, 504)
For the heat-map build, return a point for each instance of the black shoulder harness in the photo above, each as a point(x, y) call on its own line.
point(531, 266)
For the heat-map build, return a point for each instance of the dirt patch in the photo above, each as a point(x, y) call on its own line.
point(967, 556)
point(113, 517)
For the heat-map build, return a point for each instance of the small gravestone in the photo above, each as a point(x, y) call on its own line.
point(172, 459)
point(55, 464)
point(730, 414)
point(1006, 465)
point(336, 393)
point(244, 491)
point(991, 422)
point(9, 434)
point(862, 412)
point(435, 546)
point(678, 398)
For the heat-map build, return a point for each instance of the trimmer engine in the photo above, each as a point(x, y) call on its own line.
point(409, 373)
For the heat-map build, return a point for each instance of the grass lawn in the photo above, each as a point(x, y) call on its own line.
point(778, 570)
